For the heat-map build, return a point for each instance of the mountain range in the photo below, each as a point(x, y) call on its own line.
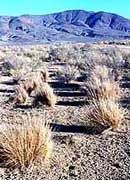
point(71, 25)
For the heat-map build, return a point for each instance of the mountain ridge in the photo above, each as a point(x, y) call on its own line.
point(69, 25)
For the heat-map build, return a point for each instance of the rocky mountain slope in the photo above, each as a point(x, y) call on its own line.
point(72, 25)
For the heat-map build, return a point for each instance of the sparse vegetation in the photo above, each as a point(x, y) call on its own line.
point(90, 101)
point(112, 57)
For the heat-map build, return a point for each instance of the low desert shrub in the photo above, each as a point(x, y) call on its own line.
point(126, 57)
point(13, 66)
point(113, 57)
point(25, 144)
point(84, 61)
point(45, 95)
point(68, 73)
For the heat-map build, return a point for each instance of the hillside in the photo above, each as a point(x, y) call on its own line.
point(72, 25)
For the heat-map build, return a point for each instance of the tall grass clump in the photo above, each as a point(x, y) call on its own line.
point(104, 95)
point(45, 95)
point(25, 144)
point(101, 84)
point(105, 90)
point(107, 113)
point(32, 79)
point(21, 95)
point(28, 83)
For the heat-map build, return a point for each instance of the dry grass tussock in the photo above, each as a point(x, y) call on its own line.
point(36, 81)
point(21, 95)
point(102, 85)
point(29, 84)
point(106, 90)
point(45, 95)
point(31, 80)
point(104, 95)
point(100, 73)
point(25, 144)
point(107, 113)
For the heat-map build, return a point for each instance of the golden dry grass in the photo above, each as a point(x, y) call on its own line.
point(28, 85)
point(108, 89)
point(99, 73)
point(31, 80)
point(37, 75)
point(102, 73)
point(102, 85)
point(104, 95)
point(21, 95)
point(107, 113)
point(25, 144)
point(45, 94)
point(44, 75)
point(37, 82)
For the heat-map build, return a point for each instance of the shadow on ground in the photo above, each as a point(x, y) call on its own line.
point(90, 130)
point(7, 91)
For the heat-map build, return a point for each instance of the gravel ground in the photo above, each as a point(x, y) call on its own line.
point(80, 151)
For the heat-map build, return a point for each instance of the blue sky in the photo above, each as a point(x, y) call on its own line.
point(18, 7)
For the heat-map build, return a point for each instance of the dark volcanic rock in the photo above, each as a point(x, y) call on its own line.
point(73, 25)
